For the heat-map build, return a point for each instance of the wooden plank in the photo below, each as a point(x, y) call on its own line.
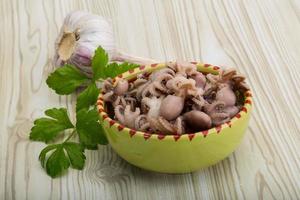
point(260, 38)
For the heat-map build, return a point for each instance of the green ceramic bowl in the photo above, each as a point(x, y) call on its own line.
point(175, 153)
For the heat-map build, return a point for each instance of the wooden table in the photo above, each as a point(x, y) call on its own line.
point(259, 37)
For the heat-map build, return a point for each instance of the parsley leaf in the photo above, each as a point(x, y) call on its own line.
point(66, 79)
point(114, 69)
point(62, 156)
point(57, 162)
point(103, 70)
point(99, 61)
point(57, 158)
point(61, 115)
point(42, 156)
point(46, 129)
point(87, 97)
point(90, 147)
point(89, 129)
point(103, 139)
point(75, 154)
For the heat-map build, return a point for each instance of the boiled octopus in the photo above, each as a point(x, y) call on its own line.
point(177, 99)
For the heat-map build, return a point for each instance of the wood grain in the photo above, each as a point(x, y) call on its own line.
point(259, 37)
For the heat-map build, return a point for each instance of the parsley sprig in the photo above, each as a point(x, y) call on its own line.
point(57, 157)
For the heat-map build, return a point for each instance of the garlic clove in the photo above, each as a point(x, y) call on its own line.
point(81, 34)
point(82, 56)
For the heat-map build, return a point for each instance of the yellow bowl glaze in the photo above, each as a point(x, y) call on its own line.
point(173, 153)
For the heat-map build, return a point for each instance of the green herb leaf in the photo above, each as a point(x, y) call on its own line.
point(103, 139)
point(89, 129)
point(57, 158)
point(61, 115)
point(46, 129)
point(123, 67)
point(76, 154)
point(43, 153)
point(103, 70)
point(57, 162)
point(87, 97)
point(114, 69)
point(62, 156)
point(99, 61)
point(90, 147)
point(66, 79)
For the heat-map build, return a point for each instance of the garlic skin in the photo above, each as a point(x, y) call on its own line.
point(81, 34)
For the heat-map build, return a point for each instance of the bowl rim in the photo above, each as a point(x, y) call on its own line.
point(247, 107)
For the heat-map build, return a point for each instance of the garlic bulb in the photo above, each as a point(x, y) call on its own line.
point(81, 34)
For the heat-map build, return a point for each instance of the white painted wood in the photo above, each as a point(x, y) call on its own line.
point(259, 37)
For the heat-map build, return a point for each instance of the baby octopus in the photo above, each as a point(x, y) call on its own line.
point(177, 99)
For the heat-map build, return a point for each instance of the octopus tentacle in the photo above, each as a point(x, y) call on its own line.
point(231, 110)
point(130, 101)
point(199, 102)
point(155, 125)
point(179, 126)
point(132, 92)
point(184, 68)
point(109, 96)
point(119, 114)
point(141, 123)
point(243, 86)
point(187, 88)
point(119, 101)
point(160, 82)
point(187, 68)
point(160, 87)
point(166, 126)
point(151, 106)
point(227, 74)
point(219, 118)
point(238, 78)
point(215, 107)
point(166, 71)
point(182, 86)
point(121, 87)
point(130, 116)
point(171, 65)
point(138, 82)
point(107, 85)
point(150, 91)
point(213, 79)
point(141, 89)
